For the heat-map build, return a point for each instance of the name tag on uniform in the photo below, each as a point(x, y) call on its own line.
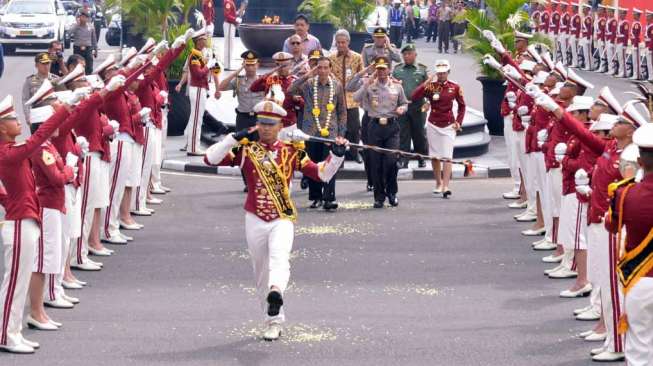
point(348, 72)
point(383, 121)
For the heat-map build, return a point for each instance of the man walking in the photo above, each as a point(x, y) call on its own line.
point(84, 41)
point(445, 14)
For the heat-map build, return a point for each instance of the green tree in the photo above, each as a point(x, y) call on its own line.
point(351, 14)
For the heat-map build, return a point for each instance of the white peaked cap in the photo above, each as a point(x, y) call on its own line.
point(127, 55)
point(632, 115)
point(40, 114)
point(109, 62)
point(643, 137)
point(605, 123)
point(44, 92)
point(581, 103)
point(606, 96)
point(7, 108)
point(576, 79)
point(540, 77)
point(77, 73)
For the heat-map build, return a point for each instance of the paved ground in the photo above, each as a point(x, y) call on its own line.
point(432, 282)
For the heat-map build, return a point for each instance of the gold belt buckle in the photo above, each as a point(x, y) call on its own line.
point(383, 121)
point(83, 48)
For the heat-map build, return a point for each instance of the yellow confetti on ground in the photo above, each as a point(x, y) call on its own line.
point(293, 334)
point(355, 205)
point(338, 229)
point(423, 290)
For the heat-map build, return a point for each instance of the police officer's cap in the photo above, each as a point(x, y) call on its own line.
point(315, 54)
point(42, 58)
point(381, 62)
point(409, 47)
point(250, 57)
point(380, 32)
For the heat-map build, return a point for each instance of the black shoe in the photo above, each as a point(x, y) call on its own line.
point(393, 200)
point(402, 164)
point(330, 205)
point(440, 51)
point(378, 204)
point(421, 163)
point(303, 184)
point(370, 188)
point(245, 189)
point(358, 158)
point(275, 301)
point(316, 204)
point(446, 193)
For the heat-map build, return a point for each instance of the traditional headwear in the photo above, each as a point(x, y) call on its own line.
point(76, 74)
point(581, 103)
point(631, 114)
point(44, 92)
point(250, 57)
point(608, 99)
point(269, 112)
point(107, 64)
point(605, 122)
point(643, 137)
point(442, 65)
point(40, 114)
point(148, 46)
point(7, 110)
point(576, 79)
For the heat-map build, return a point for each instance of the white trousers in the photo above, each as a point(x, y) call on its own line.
point(121, 152)
point(562, 38)
point(649, 64)
point(194, 127)
point(593, 267)
point(20, 239)
point(94, 193)
point(553, 196)
point(229, 37)
point(140, 196)
point(49, 250)
point(621, 58)
point(637, 64)
point(513, 162)
point(537, 162)
point(269, 245)
point(71, 228)
point(639, 338)
point(573, 46)
point(610, 57)
point(572, 228)
point(585, 45)
point(162, 136)
point(611, 298)
point(135, 167)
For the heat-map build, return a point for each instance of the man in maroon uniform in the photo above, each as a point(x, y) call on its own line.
point(623, 36)
point(585, 41)
point(636, 42)
point(574, 34)
point(610, 41)
point(649, 44)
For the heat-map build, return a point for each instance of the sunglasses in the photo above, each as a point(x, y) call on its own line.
point(295, 43)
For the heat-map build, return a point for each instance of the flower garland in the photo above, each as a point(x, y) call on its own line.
point(324, 130)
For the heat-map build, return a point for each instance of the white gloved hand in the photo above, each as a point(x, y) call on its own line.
point(512, 105)
point(188, 35)
point(526, 121)
point(163, 45)
point(560, 149)
point(115, 83)
point(546, 102)
point(83, 144)
point(211, 64)
point(145, 115)
point(542, 136)
point(581, 178)
point(72, 160)
point(498, 46)
point(489, 35)
point(178, 42)
point(511, 97)
point(135, 63)
point(209, 30)
point(239, 20)
point(532, 90)
point(78, 95)
point(491, 61)
point(510, 71)
point(164, 95)
point(584, 190)
point(522, 110)
point(115, 125)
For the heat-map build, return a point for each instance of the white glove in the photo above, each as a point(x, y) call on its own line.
point(145, 115)
point(498, 46)
point(491, 61)
point(115, 125)
point(209, 30)
point(164, 95)
point(211, 64)
point(542, 136)
point(135, 62)
point(560, 149)
point(532, 90)
point(511, 97)
point(512, 105)
point(581, 178)
point(78, 95)
point(239, 20)
point(525, 121)
point(115, 83)
point(585, 190)
point(522, 110)
point(179, 41)
point(489, 35)
point(188, 35)
point(546, 102)
point(72, 160)
point(510, 71)
point(83, 144)
point(163, 45)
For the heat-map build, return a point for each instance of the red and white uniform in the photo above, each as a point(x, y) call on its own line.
point(623, 36)
point(231, 21)
point(610, 43)
point(636, 40)
point(649, 50)
point(563, 36)
point(545, 22)
point(575, 25)
point(269, 234)
point(198, 87)
point(585, 41)
point(290, 105)
point(162, 85)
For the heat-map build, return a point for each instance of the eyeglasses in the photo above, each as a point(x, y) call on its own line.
point(295, 43)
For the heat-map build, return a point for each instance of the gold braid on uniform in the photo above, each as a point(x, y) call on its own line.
point(274, 178)
point(433, 87)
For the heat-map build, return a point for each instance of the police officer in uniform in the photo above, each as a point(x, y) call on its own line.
point(380, 47)
point(412, 74)
point(33, 82)
point(384, 101)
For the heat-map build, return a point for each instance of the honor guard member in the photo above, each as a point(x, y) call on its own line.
point(585, 41)
point(208, 11)
point(380, 47)
point(384, 101)
point(636, 42)
point(632, 208)
point(443, 126)
point(648, 40)
point(231, 22)
point(33, 82)
point(611, 28)
point(623, 36)
point(536, 16)
point(600, 37)
point(411, 74)
point(574, 33)
point(554, 28)
point(545, 22)
point(269, 165)
point(200, 70)
point(563, 35)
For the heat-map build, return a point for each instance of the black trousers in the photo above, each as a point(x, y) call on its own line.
point(444, 28)
point(87, 53)
point(384, 166)
point(412, 129)
point(365, 125)
point(458, 29)
point(318, 190)
point(245, 120)
point(395, 35)
point(410, 31)
point(353, 133)
point(432, 31)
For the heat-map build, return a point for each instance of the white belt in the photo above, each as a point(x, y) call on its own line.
point(123, 136)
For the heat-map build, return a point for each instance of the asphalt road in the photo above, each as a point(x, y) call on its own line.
point(432, 282)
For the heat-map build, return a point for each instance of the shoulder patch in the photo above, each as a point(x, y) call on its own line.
point(47, 157)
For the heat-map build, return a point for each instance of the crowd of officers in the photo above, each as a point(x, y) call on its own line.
point(574, 160)
point(602, 41)
point(90, 164)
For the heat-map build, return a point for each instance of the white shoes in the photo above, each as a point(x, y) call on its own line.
point(115, 239)
point(547, 245)
point(59, 303)
point(126, 237)
point(596, 337)
point(95, 263)
point(607, 356)
point(272, 332)
point(563, 273)
point(153, 201)
point(86, 266)
point(71, 285)
point(551, 258)
point(134, 226)
point(512, 195)
point(20, 348)
point(533, 232)
point(596, 351)
point(588, 315)
point(34, 345)
point(518, 205)
point(35, 324)
point(104, 252)
point(582, 310)
point(437, 190)
point(157, 190)
point(582, 292)
point(527, 217)
point(70, 299)
point(141, 212)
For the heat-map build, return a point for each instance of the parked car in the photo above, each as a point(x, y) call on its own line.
point(31, 24)
point(112, 36)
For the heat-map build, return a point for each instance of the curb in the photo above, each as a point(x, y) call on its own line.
point(346, 174)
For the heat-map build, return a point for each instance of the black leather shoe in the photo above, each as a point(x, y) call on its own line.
point(421, 163)
point(330, 205)
point(245, 189)
point(316, 204)
point(402, 164)
point(394, 201)
point(370, 188)
point(358, 158)
point(303, 184)
point(446, 193)
point(275, 301)
point(378, 204)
